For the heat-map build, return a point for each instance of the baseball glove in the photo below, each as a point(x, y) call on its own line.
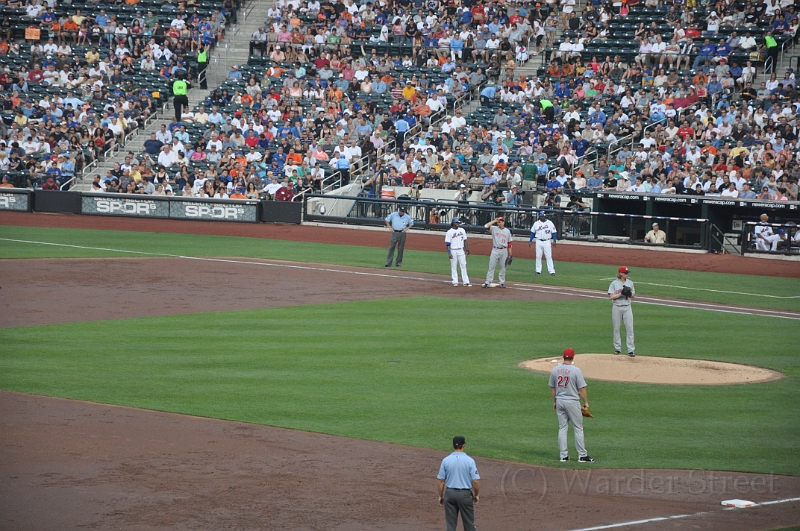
point(585, 412)
point(509, 260)
point(626, 291)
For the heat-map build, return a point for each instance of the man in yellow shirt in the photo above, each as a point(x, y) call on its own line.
point(20, 119)
point(409, 92)
point(656, 235)
point(135, 174)
point(78, 17)
point(739, 150)
point(92, 56)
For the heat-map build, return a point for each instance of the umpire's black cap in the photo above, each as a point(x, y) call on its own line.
point(459, 441)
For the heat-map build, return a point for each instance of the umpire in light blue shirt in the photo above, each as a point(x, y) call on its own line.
point(459, 487)
point(399, 223)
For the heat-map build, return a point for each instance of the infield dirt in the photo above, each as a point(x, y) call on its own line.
point(655, 370)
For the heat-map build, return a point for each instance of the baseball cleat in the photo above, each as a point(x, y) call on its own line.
point(502, 285)
point(467, 285)
point(387, 265)
point(563, 459)
point(552, 274)
point(631, 354)
point(485, 285)
point(538, 272)
point(617, 352)
point(585, 459)
point(455, 285)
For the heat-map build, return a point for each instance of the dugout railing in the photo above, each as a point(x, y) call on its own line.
point(690, 233)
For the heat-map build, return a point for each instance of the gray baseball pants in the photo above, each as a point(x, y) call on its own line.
point(459, 501)
point(569, 412)
point(497, 256)
point(398, 240)
point(619, 315)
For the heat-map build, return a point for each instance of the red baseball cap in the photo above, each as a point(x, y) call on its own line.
point(623, 269)
point(569, 353)
point(501, 218)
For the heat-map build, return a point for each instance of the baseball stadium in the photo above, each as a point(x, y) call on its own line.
point(201, 329)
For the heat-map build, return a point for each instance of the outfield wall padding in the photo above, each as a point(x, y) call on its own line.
point(55, 201)
point(281, 212)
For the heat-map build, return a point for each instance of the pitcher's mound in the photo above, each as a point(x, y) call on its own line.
point(646, 369)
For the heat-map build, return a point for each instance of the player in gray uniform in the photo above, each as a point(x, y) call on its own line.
point(621, 311)
point(501, 250)
point(568, 388)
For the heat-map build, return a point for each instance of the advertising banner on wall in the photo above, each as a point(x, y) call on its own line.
point(15, 201)
point(124, 205)
point(246, 211)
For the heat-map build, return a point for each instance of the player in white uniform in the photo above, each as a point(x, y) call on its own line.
point(457, 251)
point(544, 232)
point(621, 311)
point(501, 250)
point(766, 240)
point(567, 387)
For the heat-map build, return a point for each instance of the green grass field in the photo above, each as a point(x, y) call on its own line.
point(410, 372)
point(416, 371)
point(749, 290)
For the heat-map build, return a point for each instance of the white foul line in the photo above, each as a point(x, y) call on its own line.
point(677, 516)
point(639, 522)
point(715, 290)
point(540, 288)
point(677, 303)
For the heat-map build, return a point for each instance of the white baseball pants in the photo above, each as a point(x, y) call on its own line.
point(620, 315)
point(544, 247)
point(497, 260)
point(458, 257)
point(763, 243)
point(569, 412)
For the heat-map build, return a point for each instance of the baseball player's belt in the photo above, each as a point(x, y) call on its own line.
point(501, 247)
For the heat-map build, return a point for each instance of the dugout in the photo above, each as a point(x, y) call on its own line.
point(723, 212)
point(618, 227)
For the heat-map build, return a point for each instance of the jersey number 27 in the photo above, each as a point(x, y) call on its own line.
point(563, 381)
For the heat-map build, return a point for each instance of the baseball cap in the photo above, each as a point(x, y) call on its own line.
point(402, 209)
point(456, 220)
point(569, 353)
point(623, 269)
point(542, 213)
point(501, 218)
point(459, 441)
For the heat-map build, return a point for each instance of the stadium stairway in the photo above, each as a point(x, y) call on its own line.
point(535, 61)
point(234, 51)
point(136, 144)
